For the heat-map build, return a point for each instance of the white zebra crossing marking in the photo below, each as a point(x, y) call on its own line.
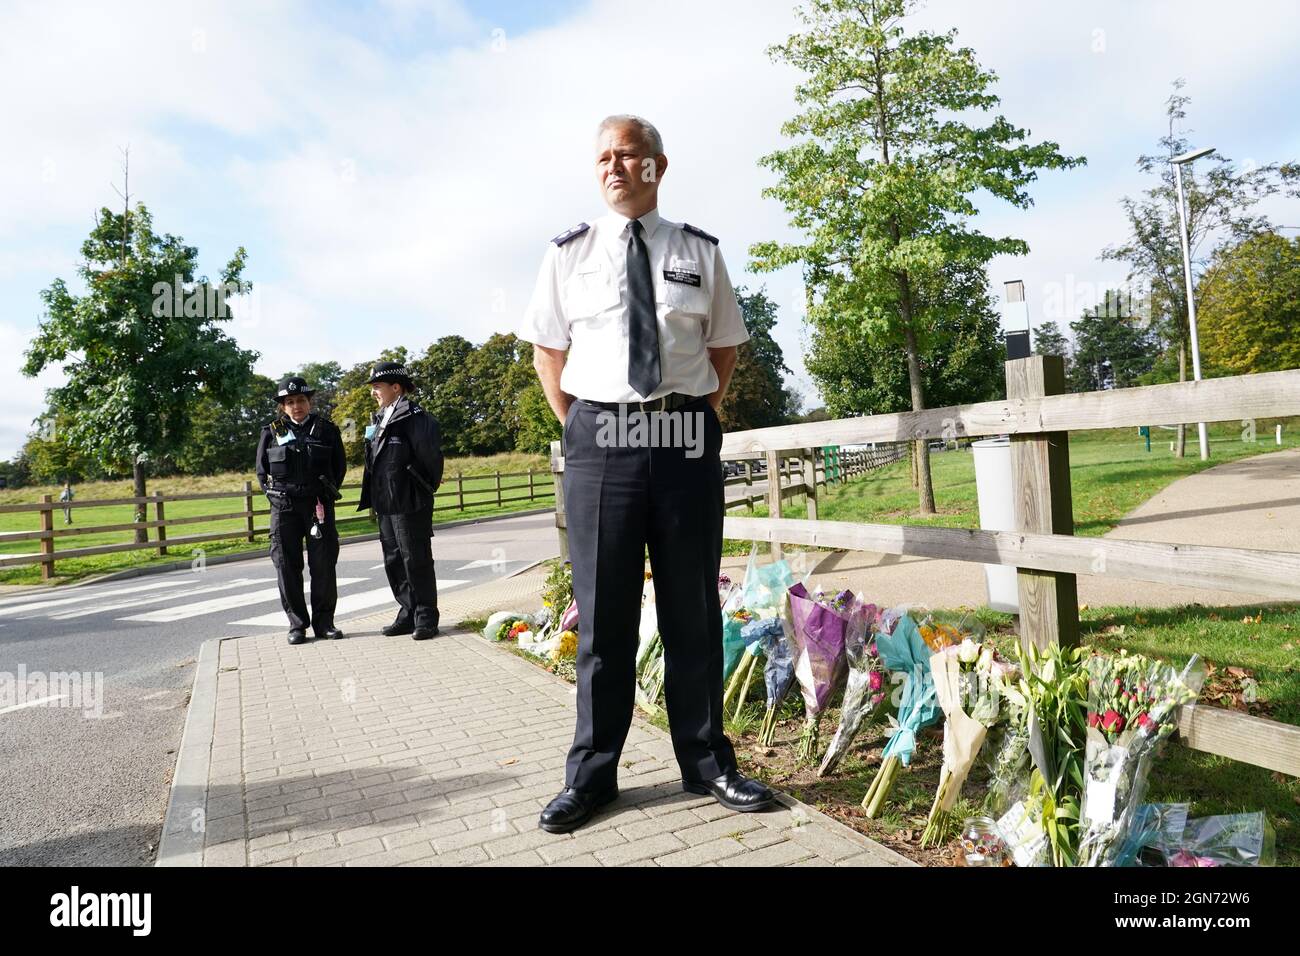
point(156, 599)
point(40, 605)
point(353, 602)
point(183, 612)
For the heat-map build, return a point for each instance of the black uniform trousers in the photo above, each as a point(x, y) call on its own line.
point(408, 562)
point(291, 523)
point(619, 501)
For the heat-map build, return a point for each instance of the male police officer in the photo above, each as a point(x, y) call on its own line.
point(635, 315)
point(300, 466)
point(403, 470)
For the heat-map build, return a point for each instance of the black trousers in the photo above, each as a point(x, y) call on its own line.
point(622, 498)
point(291, 525)
point(408, 562)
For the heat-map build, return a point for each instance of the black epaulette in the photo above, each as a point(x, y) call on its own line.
point(573, 233)
point(696, 231)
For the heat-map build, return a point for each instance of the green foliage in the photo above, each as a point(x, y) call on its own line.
point(538, 426)
point(1112, 347)
point(557, 590)
point(1221, 202)
point(134, 364)
point(1050, 340)
point(1248, 311)
point(757, 396)
point(324, 377)
point(225, 434)
point(882, 179)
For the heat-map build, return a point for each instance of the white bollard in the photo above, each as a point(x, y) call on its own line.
point(1279, 434)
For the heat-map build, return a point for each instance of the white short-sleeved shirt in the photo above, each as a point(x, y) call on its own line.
point(580, 304)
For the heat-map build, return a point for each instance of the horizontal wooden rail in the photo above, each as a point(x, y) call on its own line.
point(1237, 736)
point(21, 559)
point(1270, 573)
point(1266, 395)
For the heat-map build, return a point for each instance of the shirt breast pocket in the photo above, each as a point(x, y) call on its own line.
point(590, 298)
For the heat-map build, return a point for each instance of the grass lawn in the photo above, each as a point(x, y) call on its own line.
point(1111, 473)
point(478, 483)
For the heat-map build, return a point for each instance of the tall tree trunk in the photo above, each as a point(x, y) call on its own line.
point(141, 510)
point(925, 503)
point(1180, 443)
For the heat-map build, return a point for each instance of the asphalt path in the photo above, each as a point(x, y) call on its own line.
point(95, 681)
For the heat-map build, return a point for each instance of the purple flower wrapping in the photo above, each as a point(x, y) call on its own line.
point(819, 633)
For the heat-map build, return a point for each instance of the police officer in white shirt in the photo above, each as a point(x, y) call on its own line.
point(635, 326)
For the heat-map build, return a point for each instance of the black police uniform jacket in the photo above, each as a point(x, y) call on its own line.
point(295, 468)
point(403, 461)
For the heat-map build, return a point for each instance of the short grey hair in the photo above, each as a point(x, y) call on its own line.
point(650, 137)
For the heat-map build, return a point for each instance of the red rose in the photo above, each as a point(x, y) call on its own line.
point(1112, 722)
point(1093, 718)
point(1145, 722)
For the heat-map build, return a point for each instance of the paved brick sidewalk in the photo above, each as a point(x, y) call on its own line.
point(385, 751)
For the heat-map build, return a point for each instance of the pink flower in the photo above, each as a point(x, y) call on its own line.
point(1145, 722)
point(1093, 718)
point(875, 680)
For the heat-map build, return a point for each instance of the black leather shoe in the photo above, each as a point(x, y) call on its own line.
point(330, 634)
point(297, 637)
point(734, 791)
point(572, 808)
point(424, 633)
point(395, 629)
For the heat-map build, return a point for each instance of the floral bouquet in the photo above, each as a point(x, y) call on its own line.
point(1132, 708)
point(751, 641)
point(864, 693)
point(819, 628)
point(968, 680)
point(902, 650)
point(778, 675)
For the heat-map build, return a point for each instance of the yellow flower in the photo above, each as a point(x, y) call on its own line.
point(567, 649)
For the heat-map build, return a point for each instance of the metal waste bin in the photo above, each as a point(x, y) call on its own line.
point(997, 513)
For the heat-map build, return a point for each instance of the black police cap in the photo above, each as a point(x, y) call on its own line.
point(391, 372)
point(294, 385)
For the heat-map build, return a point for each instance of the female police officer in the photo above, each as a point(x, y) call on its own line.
point(300, 466)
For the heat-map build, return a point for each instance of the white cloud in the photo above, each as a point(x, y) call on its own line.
point(389, 198)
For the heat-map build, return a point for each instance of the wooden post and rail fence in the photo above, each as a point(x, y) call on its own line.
point(462, 492)
point(1038, 416)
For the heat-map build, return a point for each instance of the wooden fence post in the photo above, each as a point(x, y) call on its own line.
point(1040, 476)
point(460, 492)
point(248, 506)
point(530, 484)
point(774, 495)
point(561, 520)
point(160, 516)
point(47, 542)
point(810, 481)
point(497, 475)
point(749, 484)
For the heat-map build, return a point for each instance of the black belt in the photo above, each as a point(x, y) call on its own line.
point(665, 403)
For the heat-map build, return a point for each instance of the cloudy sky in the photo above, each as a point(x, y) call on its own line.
point(395, 168)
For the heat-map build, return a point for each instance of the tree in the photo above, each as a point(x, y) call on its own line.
point(1248, 307)
point(354, 404)
point(882, 177)
point(51, 458)
point(538, 426)
point(1113, 347)
point(757, 396)
point(494, 375)
point(140, 346)
point(962, 362)
point(1050, 340)
point(1220, 208)
point(225, 434)
point(324, 378)
point(443, 387)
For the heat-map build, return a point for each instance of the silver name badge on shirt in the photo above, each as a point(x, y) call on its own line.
point(682, 276)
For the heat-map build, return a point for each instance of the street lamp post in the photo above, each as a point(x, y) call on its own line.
point(1178, 162)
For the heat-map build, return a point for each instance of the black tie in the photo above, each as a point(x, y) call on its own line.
point(642, 331)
